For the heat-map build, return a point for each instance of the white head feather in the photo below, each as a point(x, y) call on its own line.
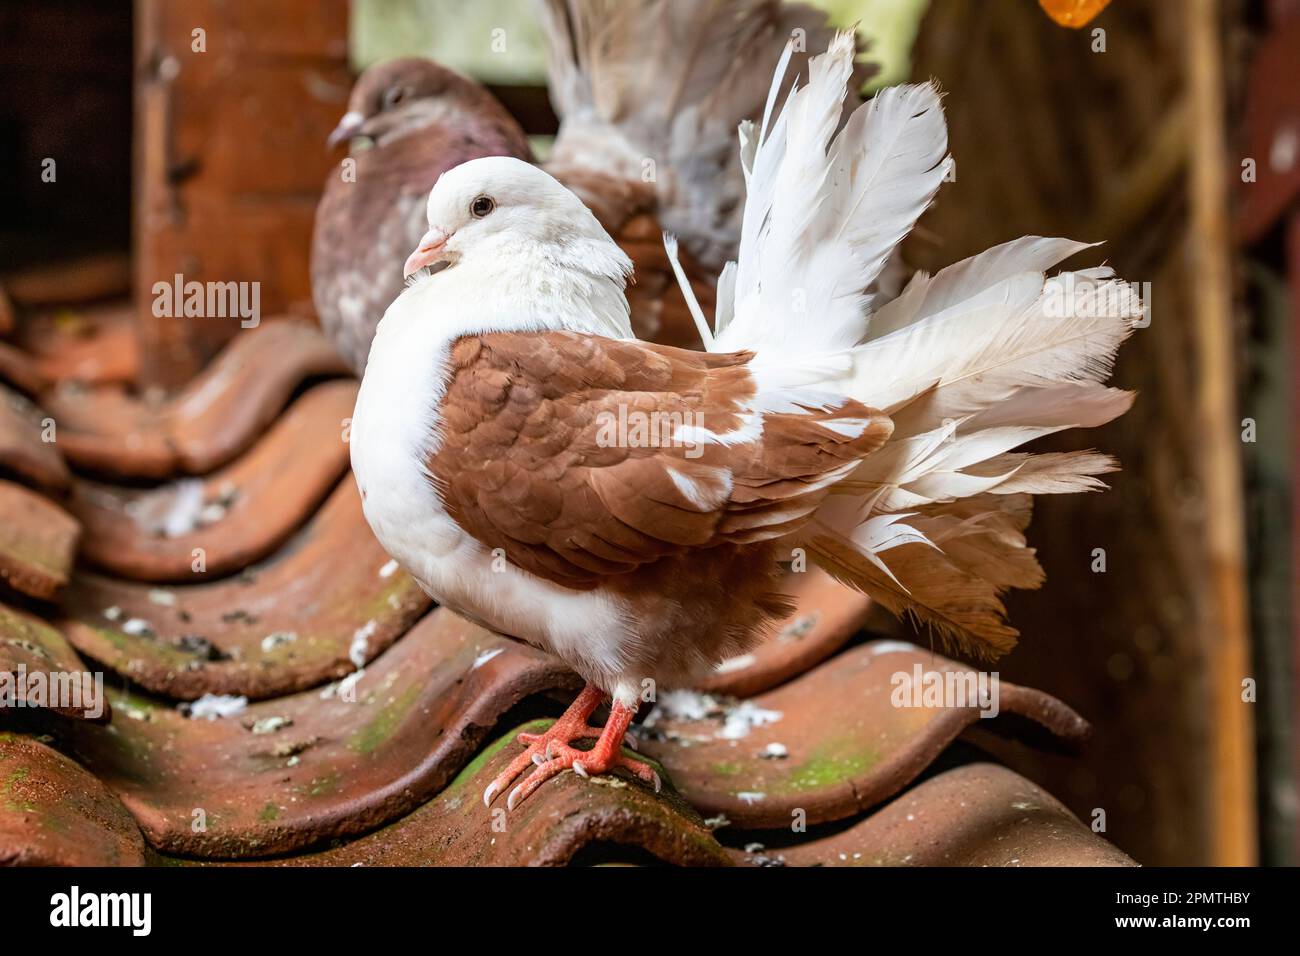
point(525, 249)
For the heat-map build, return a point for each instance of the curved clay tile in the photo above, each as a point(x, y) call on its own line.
point(215, 417)
point(38, 541)
point(329, 600)
point(24, 452)
point(29, 646)
point(18, 370)
point(95, 345)
point(55, 814)
point(289, 772)
point(234, 516)
point(759, 761)
point(827, 616)
point(90, 278)
point(7, 318)
point(977, 815)
point(548, 829)
point(108, 430)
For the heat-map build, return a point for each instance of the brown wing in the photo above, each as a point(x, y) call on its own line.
point(582, 456)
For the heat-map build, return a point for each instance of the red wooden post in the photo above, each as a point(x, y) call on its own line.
point(233, 105)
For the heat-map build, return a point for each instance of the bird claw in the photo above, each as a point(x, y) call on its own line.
point(551, 756)
point(551, 752)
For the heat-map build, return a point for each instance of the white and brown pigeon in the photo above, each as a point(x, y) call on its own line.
point(625, 506)
point(649, 93)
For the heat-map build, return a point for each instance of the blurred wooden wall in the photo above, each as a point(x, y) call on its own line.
point(74, 109)
point(1054, 136)
point(1268, 233)
point(230, 157)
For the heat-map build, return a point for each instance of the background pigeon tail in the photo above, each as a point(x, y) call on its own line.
point(653, 91)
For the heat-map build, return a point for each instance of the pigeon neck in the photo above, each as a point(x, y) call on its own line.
point(576, 285)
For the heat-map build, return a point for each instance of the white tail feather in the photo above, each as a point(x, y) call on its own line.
point(824, 211)
point(970, 363)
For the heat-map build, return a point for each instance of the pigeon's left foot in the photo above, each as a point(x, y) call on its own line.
point(553, 753)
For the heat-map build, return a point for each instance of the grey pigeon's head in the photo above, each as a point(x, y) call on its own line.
point(405, 95)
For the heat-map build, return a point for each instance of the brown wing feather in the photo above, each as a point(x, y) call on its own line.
point(531, 459)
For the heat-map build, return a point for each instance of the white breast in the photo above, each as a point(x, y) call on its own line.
point(395, 431)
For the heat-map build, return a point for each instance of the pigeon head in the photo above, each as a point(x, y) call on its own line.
point(501, 206)
point(403, 96)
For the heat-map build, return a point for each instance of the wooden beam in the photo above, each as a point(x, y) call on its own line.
point(1293, 290)
point(230, 138)
point(1231, 722)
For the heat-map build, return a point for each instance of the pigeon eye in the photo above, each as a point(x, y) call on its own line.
point(394, 95)
point(481, 206)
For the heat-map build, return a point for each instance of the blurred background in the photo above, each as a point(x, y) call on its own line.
point(1169, 130)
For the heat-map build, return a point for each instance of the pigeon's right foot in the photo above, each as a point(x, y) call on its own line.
point(572, 725)
point(553, 753)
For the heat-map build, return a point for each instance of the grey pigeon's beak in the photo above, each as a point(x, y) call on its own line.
point(349, 126)
point(427, 253)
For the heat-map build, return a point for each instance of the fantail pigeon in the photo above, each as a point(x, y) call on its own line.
point(627, 506)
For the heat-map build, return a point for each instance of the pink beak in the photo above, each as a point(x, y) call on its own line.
point(427, 252)
point(349, 126)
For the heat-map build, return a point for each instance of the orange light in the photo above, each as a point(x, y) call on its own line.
point(1073, 13)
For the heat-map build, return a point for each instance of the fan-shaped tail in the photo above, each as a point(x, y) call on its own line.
point(969, 364)
point(972, 363)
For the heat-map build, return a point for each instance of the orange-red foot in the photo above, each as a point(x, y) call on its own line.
point(552, 752)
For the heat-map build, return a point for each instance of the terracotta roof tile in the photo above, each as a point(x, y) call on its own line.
point(976, 815)
point(797, 753)
point(219, 414)
point(29, 644)
point(8, 319)
point(23, 451)
point(289, 772)
point(285, 625)
point(235, 515)
point(38, 540)
point(108, 430)
point(94, 344)
point(17, 369)
point(384, 762)
point(53, 813)
point(555, 825)
point(94, 277)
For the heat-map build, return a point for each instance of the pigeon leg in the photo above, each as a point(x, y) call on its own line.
point(552, 753)
point(571, 725)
